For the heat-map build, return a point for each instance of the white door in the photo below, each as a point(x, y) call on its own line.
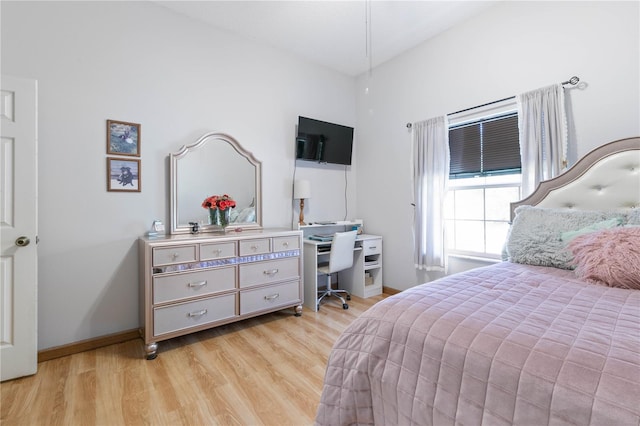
point(18, 227)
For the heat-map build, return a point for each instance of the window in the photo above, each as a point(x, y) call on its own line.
point(484, 179)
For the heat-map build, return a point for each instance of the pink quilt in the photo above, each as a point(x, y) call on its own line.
point(501, 345)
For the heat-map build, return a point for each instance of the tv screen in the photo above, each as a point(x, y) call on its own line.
point(324, 142)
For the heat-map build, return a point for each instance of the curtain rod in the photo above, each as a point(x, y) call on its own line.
point(573, 81)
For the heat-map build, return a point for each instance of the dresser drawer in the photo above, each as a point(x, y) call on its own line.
point(217, 250)
point(269, 297)
point(268, 272)
point(257, 246)
point(286, 243)
point(187, 315)
point(180, 286)
point(176, 254)
point(372, 246)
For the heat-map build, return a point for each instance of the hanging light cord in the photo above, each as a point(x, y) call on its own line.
point(367, 20)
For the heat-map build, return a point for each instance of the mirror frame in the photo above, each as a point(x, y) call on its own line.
point(212, 137)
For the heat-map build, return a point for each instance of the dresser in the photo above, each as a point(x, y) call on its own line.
point(190, 282)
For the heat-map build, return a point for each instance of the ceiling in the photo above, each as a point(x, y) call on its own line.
point(351, 37)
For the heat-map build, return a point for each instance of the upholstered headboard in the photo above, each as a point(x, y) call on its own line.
point(607, 178)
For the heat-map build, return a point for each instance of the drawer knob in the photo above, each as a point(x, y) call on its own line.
point(254, 247)
point(270, 272)
point(272, 297)
point(197, 284)
point(217, 252)
point(174, 256)
point(197, 313)
point(286, 244)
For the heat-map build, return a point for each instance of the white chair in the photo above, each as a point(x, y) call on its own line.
point(340, 258)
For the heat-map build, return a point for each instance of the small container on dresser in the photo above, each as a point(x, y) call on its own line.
point(191, 283)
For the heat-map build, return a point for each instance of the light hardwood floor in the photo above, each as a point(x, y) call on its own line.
point(266, 370)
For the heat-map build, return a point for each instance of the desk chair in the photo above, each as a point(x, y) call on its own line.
point(340, 258)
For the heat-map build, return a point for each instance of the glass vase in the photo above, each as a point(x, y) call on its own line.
point(219, 217)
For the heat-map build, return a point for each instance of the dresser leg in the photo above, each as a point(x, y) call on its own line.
point(298, 310)
point(152, 350)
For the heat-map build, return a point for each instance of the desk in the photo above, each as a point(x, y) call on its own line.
point(363, 279)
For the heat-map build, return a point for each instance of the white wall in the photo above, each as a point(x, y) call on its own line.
point(139, 62)
point(511, 48)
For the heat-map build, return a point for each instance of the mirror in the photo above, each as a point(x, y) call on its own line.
point(215, 164)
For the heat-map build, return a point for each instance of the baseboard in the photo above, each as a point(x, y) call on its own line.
point(390, 291)
point(112, 339)
point(87, 345)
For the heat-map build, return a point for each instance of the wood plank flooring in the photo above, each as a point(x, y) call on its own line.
point(266, 370)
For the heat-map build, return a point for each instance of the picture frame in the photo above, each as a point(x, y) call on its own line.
point(123, 138)
point(123, 175)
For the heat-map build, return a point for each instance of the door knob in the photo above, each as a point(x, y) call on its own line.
point(22, 241)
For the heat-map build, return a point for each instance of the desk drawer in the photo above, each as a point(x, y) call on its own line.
point(171, 255)
point(268, 272)
point(217, 251)
point(286, 243)
point(372, 246)
point(180, 286)
point(257, 246)
point(269, 297)
point(192, 314)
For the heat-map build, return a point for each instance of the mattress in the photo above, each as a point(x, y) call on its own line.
point(500, 345)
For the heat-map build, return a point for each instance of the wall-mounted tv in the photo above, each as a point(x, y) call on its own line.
point(323, 142)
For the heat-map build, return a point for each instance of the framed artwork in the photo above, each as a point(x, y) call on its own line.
point(123, 175)
point(123, 138)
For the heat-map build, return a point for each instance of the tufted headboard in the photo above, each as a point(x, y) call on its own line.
point(607, 178)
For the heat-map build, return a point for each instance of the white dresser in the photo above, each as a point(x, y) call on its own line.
point(190, 283)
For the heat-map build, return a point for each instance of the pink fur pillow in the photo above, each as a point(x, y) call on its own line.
point(610, 257)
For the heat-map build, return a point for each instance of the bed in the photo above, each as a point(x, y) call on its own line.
point(550, 336)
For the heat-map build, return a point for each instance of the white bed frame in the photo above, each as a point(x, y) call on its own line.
point(607, 178)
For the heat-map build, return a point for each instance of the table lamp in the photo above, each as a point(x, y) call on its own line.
point(301, 190)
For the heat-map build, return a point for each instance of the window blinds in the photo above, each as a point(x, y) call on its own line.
point(485, 147)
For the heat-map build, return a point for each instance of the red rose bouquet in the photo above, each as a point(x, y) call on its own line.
point(222, 202)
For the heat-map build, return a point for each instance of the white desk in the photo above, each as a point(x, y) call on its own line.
point(367, 261)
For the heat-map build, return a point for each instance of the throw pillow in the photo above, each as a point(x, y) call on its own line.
point(633, 217)
point(534, 236)
point(605, 224)
point(610, 257)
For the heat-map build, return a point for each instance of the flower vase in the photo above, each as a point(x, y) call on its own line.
point(219, 217)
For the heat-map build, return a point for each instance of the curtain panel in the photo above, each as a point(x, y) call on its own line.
point(542, 123)
point(430, 177)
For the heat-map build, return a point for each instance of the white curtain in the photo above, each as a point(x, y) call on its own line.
point(542, 124)
point(430, 177)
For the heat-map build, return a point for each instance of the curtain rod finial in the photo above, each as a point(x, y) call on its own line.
point(409, 125)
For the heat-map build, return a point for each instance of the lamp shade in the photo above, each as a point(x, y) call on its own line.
point(302, 189)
